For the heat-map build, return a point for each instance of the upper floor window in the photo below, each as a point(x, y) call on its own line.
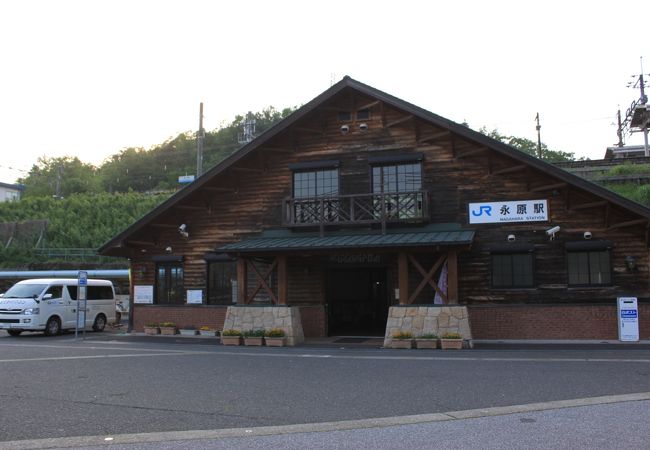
point(588, 263)
point(401, 178)
point(397, 178)
point(317, 183)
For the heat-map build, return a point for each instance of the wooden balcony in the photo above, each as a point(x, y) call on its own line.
point(361, 209)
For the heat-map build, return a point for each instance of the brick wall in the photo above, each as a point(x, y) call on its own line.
point(211, 316)
point(551, 322)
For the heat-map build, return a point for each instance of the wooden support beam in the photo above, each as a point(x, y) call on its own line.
point(598, 204)
point(368, 105)
point(548, 187)
point(191, 207)
point(308, 130)
point(511, 169)
point(247, 169)
point(278, 150)
point(471, 152)
point(261, 282)
point(403, 277)
point(398, 121)
point(224, 190)
point(163, 225)
point(242, 280)
point(434, 137)
point(629, 223)
point(452, 277)
point(135, 242)
point(382, 111)
point(283, 283)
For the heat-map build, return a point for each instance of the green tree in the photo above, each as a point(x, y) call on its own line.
point(60, 177)
point(530, 147)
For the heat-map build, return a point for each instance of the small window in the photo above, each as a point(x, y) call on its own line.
point(345, 116)
point(56, 291)
point(512, 270)
point(589, 268)
point(363, 114)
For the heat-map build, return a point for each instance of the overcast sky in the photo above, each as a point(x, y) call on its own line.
point(89, 78)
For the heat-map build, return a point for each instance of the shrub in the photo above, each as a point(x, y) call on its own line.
point(428, 336)
point(167, 324)
point(274, 332)
point(151, 325)
point(253, 333)
point(402, 335)
point(205, 328)
point(231, 332)
point(452, 336)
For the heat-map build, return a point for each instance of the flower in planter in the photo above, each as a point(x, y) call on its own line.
point(274, 333)
point(451, 336)
point(428, 336)
point(253, 333)
point(231, 332)
point(167, 325)
point(402, 335)
point(205, 328)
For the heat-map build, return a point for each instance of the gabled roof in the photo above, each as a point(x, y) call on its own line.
point(441, 122)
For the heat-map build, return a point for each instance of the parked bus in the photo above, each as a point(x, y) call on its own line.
point(50, 305)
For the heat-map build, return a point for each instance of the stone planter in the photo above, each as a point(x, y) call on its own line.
point(208, 332)
point(188, 332)
point(402, 343)
point(168, 331)
point(451, 344)
point(231, 340)
point(151, 330)
point(426, 343)
point(254, 340)
point(275, 341)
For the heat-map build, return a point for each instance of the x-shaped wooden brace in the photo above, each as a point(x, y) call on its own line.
point(261, 282)
point(427, 278)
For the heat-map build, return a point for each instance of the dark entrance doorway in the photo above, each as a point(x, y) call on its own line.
point(357, 301)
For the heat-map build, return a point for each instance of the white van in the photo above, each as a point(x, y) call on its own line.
point(50, 305)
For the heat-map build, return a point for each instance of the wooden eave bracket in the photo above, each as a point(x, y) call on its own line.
point(434, 137)
point(309, 130)
point(598, 204)
point(134, 242)
point(368, 105)
point(224, 190)
point(398, 121)
point(629, 223)
point(472, 152)
point(517, 168)
point(548, 187)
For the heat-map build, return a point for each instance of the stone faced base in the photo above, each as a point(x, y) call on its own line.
point(244, 318)
point(418, 320)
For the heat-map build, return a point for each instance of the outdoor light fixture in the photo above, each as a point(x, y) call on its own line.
point(345, 129)
point(630, 263)
point(512, 238)
point(182, 229)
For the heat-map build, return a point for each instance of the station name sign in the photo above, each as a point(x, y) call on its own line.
point(517, 211)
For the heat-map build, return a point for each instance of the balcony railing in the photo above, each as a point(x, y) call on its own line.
point(361, 209)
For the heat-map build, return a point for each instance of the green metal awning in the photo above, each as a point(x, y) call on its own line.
point(352, 241)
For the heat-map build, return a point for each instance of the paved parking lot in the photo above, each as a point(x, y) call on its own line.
point(108, 386)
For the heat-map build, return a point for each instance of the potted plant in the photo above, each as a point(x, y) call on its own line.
point(167, 328)
point(189, 330)
point(451, 341)
point(254, 337)
point(151, 329)
point(231, 337)
point(402, 339)
point(275, 337)
point(207, 331)
point(428, 340)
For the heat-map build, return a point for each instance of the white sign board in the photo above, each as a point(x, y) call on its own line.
point(194, 296)
point(186, 178)
point(517, 211)
point(628, 319)
point(143, 294)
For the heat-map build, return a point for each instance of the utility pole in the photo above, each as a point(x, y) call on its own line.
point(619, 131)
point(199, 144)
point(539, 137)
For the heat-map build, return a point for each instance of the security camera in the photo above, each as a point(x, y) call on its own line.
point(168, 249)
point(345, 129)
point(587, 235)
point(511, 238)
point(182, 228)
point(363, 126)
point(552, 231)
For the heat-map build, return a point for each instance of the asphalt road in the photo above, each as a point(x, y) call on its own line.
point(59, 387)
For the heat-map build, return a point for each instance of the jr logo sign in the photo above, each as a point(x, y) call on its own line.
point(516, 211)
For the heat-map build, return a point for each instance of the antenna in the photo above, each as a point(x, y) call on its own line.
point(539, 137)
point(248, 127)
point(200, 136)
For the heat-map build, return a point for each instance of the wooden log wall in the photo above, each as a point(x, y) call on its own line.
point(246, 199)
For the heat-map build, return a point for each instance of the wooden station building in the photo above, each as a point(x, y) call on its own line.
point(359, 203)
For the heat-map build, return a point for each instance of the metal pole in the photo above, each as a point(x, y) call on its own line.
point(199, 144)
point(539, 138)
